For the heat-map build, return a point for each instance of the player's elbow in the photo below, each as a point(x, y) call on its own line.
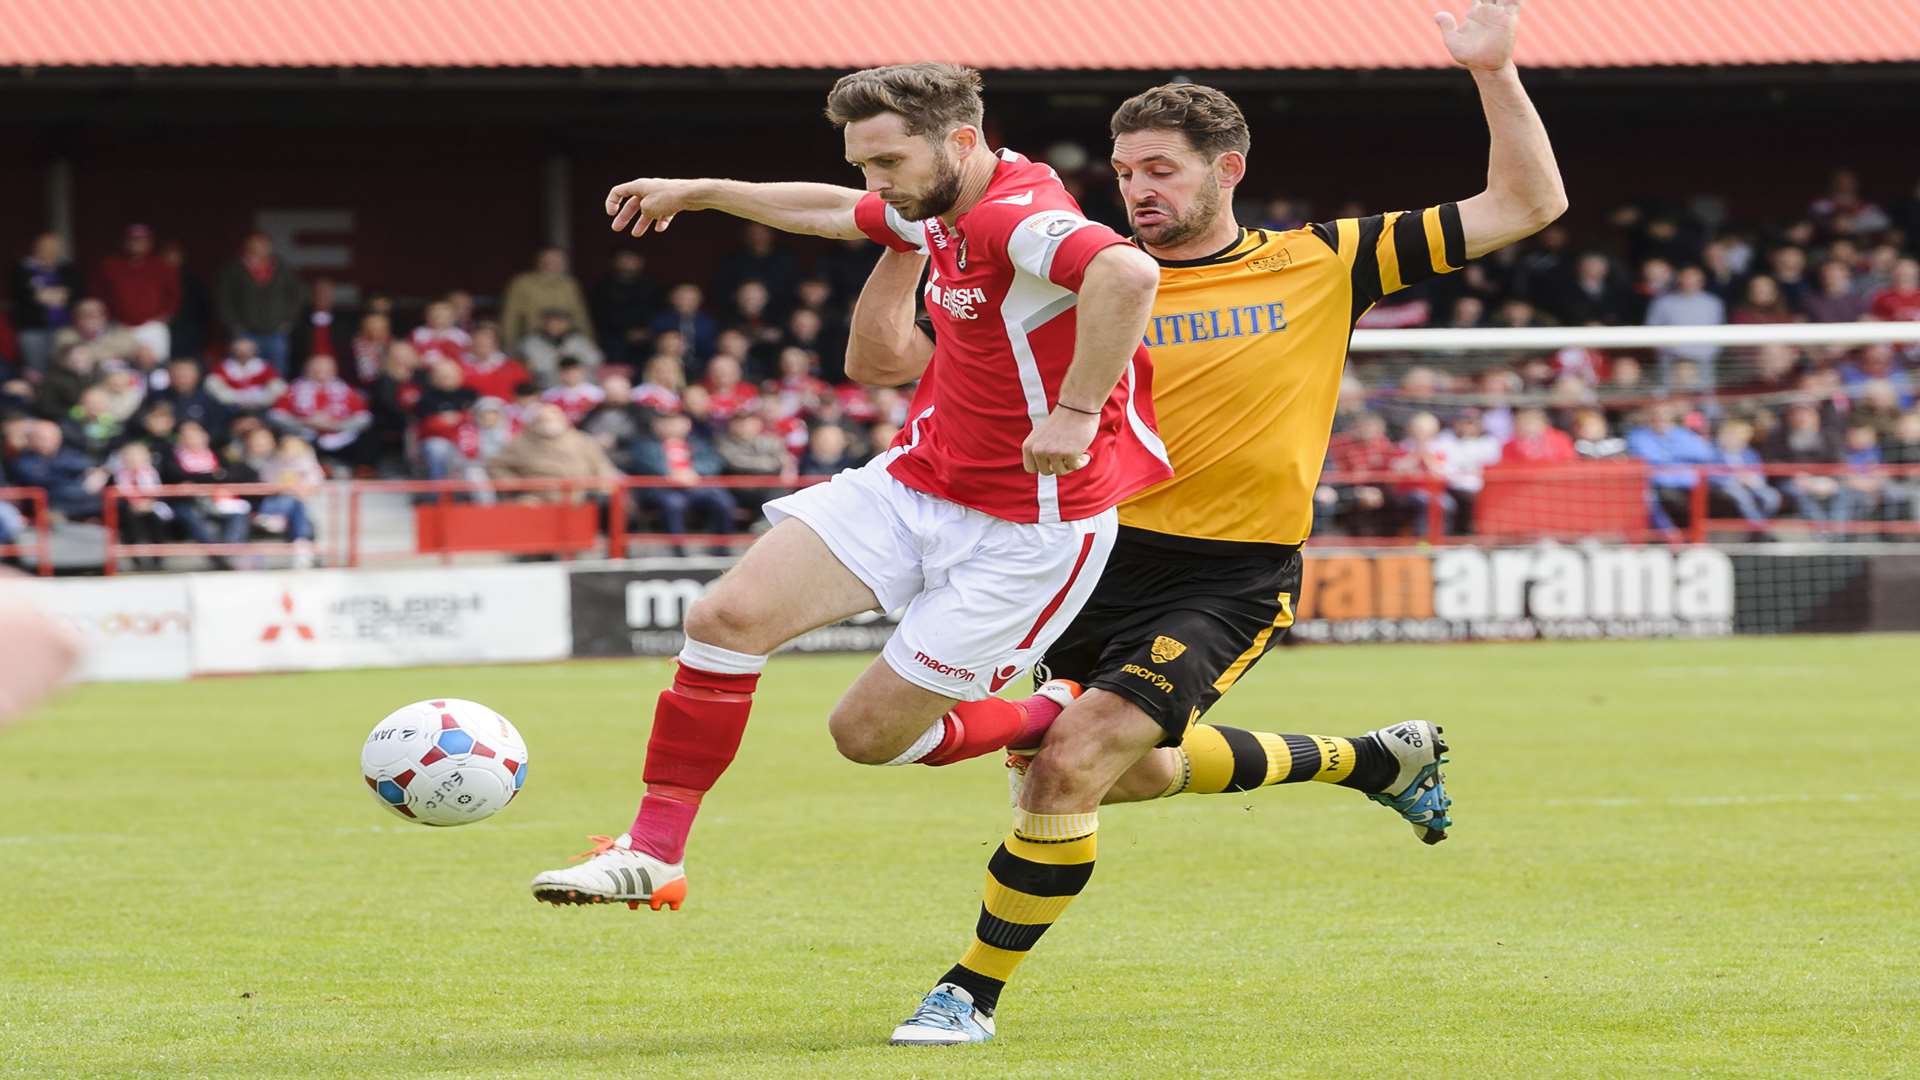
point(872, 362)
point(868, 366)
point(1551, 206)
point(1125, 272)
point(1539, 208)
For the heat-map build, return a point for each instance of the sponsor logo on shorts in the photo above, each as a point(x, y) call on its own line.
point(947, 670)
point(1155, 679)
point(1001, 677)
point(1166, 650)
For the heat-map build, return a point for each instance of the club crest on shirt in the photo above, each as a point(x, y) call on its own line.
point(1166, 650)
point(1273, 263)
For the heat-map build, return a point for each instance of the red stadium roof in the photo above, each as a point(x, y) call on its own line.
point(1030, 34)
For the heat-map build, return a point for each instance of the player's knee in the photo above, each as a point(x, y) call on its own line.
point(1147, 779)
point(1081, 758)
point(858, 739)
point(726, 619)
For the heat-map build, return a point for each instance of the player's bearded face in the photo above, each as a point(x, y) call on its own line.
point(941, 192)
point(1159, 220)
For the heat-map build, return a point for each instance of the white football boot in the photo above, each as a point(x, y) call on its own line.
point(1419, 793)
point(946, 1017)
point(614, 873)
point(1061, 692)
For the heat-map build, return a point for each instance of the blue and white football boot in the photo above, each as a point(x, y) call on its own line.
point(946, 1017)
point(1419, 793)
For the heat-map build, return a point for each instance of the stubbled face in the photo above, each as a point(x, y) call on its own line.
point(917, 175)
point(1171, 193)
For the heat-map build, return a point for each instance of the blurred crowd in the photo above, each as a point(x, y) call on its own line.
point(136, 372)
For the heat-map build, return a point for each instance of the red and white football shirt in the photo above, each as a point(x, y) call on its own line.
point(1001, 294)
point(575, 401)
point(451, 343)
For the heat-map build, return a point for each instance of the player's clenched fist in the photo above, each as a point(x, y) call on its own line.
point(651, 202)
point(1059, 443)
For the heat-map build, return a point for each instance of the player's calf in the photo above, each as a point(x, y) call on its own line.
point(1396, 766)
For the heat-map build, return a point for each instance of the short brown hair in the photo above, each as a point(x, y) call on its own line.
point(932, 98)
point(1210, 120)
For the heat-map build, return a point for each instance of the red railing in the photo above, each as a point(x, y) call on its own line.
point(112, 511)
point(1610, 500)
point(41, 523)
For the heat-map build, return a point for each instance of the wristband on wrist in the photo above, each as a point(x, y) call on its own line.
point(1078, 409)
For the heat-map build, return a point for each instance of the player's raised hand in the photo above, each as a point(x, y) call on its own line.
point(1059, 443)
point(650, 202)
point(1483, 40)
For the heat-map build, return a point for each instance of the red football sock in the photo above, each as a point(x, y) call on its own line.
point(977, 727)
point(661, 827)
point(1041, 711)
point(697, 726)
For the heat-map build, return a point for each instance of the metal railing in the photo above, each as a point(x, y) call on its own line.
point(40, 520)
point(1611, 500)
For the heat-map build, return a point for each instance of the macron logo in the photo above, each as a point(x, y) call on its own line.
point(939, 668)
point(1025, 198)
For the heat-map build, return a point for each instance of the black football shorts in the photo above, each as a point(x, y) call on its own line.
point(1172, 629)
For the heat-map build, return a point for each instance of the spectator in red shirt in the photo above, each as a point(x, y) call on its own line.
point(1357, 498)
point(244, 382)
point(321, 408)
point(441, 412)
point(142, 291)
point(797, 390)
point(440, 336)
point(1536, 442)
point(662, 383)
point(727, 392)
point(573, 393)
point(1899, 302)
point(490, 372)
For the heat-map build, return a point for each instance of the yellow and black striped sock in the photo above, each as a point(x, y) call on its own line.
point(1037, 872)
point(1215, 759)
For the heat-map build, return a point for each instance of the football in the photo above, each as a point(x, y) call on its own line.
point(444, 762)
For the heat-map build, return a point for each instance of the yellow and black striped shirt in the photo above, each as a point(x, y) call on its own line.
point(1248, 347)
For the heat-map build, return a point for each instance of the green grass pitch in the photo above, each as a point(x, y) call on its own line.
point(1693, 858)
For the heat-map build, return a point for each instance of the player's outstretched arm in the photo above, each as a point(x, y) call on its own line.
point(1524, 192)
point(884, 347)
point(1116, 298)
point(807, 209)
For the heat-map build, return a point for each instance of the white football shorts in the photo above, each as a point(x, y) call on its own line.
point(984, 597)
